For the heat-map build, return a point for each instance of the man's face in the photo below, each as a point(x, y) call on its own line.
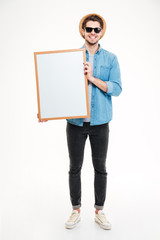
point(92, 38)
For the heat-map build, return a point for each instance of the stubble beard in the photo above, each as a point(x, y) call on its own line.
point(92, 44)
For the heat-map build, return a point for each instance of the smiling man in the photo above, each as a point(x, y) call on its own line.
point(104, 81)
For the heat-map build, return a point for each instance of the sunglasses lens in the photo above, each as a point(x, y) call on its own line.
point(88, 29)
point(97, 30)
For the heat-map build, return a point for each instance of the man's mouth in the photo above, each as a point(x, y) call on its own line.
point(92, 37)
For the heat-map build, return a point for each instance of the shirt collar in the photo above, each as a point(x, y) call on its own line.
point(99, 49)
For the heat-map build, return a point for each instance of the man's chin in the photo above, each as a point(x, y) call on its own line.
point(91, 43)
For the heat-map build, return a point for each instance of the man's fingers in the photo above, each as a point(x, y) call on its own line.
point(87, 63)
point(41, 119)
point(86, 67)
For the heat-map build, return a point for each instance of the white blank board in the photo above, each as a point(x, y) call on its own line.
point(62, 89)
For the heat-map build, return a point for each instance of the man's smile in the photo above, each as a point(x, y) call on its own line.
point(92, 37)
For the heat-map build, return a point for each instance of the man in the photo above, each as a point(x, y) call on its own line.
point(104, 81)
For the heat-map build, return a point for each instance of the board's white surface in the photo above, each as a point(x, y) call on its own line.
point(61, 82)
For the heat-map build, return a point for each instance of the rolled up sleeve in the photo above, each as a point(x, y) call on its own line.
point(114, 85)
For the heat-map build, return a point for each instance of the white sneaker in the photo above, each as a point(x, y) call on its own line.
point(73, 219)
point(100, 218)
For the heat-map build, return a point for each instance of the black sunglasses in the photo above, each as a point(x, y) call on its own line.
point(96, 30)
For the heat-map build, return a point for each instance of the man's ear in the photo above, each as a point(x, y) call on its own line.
point(102, 31)
point(82, 31)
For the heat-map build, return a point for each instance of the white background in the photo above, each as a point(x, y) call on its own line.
point(34, 194)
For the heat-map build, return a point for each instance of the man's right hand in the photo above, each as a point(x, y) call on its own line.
point(41, 119)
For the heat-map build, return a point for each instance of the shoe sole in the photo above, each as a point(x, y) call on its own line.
point(72, 226)
point(102, 226)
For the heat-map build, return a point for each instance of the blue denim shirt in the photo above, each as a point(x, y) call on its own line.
point(106, 68)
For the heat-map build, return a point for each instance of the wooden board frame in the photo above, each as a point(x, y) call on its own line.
point(87, 114)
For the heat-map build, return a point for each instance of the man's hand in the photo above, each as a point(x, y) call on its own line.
point(88, 71)
point(97, 82)
point(41, 119)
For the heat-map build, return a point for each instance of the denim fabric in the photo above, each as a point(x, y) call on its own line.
point(76, 138)
point(106, 68)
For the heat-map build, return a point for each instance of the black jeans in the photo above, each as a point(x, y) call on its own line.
point(76, 138)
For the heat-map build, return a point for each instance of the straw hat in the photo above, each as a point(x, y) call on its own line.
point(88, 15)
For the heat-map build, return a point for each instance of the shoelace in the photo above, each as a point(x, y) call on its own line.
point(103, 217)
point(72, 217)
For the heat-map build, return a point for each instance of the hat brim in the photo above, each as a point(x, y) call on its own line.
point(88, 15)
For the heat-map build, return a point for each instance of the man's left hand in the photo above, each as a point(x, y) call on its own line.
point(88, 70)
